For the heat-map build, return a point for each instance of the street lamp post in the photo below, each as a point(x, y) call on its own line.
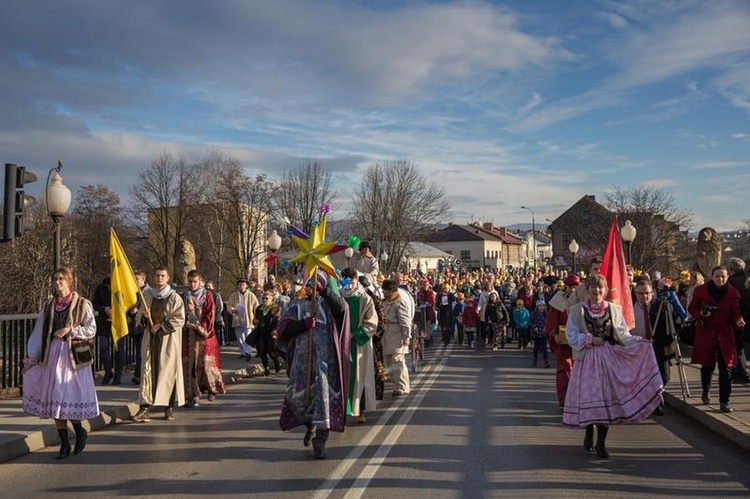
point(274, 243)
point(384, 258)
point(57, 200)
point(349, 252)
point(628, 235)
point(533, 231)
point(573, 248)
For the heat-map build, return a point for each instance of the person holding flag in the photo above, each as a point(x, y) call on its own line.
point(162, 381)
point(615, 379)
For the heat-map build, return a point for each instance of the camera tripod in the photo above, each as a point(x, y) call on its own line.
point(672, 330)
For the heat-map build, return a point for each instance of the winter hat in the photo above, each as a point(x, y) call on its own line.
point(572, 280)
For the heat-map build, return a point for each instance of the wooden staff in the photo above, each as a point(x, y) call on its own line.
point(310, 343)
point(143, 304)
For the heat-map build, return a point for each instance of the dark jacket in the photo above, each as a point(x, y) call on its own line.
point(103, 299)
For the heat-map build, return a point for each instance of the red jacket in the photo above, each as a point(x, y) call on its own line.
point(555, 319)
point(471, 317)
point(716, 329)
point(428, 297)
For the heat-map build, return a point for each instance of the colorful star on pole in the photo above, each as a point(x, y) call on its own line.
point(314, 250)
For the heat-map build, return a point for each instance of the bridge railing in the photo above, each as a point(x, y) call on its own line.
point(14, 336)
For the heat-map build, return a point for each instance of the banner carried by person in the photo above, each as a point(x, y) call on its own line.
point(615, 272)
point(123, 285)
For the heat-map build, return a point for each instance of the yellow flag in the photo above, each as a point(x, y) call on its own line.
point(123, 285)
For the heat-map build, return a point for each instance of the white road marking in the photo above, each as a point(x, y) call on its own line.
point(359, 486)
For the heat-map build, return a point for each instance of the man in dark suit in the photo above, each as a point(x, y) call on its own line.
point(646, 309)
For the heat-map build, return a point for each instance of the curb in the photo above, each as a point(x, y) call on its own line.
point(732, 429)
point(46, 435)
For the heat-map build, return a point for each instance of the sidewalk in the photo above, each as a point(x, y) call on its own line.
point(21, 434)
point(734, 426)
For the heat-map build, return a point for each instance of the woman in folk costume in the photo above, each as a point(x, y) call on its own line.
point(363, 323)
point(320, 405)
point(57, 378)
point(615, 378)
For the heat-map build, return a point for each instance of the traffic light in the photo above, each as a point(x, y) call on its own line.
point(16, 200)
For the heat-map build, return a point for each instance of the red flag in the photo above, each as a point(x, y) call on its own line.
point(613, 269)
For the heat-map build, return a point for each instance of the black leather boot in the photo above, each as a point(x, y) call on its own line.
point(319, 444)
point(81, 437)
point(588, 439)
point(64, 444)
point(601, 437)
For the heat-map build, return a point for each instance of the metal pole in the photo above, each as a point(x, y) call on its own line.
point(55, 222)
point(533, 230)
point(630, 243)
point(533, 234)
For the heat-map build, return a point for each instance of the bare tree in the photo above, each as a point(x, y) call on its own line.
point(235, 225)
point(161, 200)
point(97, 209)
point(395, 202)
point(26, 265)
point(661, 239)
point(301, 191)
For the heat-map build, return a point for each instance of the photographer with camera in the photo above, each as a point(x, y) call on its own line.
point(651, 323)
point(716, 307)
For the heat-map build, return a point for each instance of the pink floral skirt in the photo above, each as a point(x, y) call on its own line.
point(613, 384)
point(57, 390)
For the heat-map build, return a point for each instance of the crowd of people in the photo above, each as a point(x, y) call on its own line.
point(340, 340)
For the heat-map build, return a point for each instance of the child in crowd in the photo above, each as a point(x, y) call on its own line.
point(536, 322)
point(458, 314)
point(498, 318)
point(470, 320)
point(521, 318)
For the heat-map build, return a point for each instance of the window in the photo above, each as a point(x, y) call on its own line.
point(586, 215)
point(566, 240)
point(465, 255)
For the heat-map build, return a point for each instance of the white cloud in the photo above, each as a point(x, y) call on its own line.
point(536, 99)
point(661, 183)
point(614, 20)
point(719, 198)
point(708, 36)
point(741, 136)
point(735, 86)
point(715, 165)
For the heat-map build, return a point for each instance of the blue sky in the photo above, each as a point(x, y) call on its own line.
point(502, 103)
